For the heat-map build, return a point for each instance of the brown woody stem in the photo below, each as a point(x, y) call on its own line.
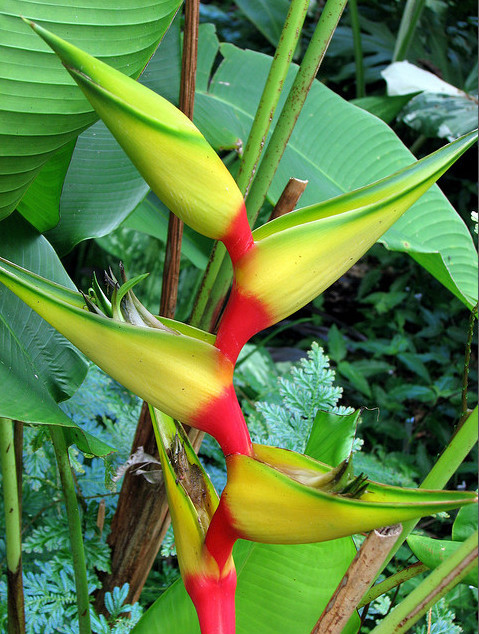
point(289, 198)
point(356, 581)
point(171, 271)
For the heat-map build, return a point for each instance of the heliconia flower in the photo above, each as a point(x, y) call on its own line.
point(192, 501)
point(175, 367)
point(280, 497)
point(297, 256)
point(165, 146)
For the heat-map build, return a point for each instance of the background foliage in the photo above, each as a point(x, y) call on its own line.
point(390, 335)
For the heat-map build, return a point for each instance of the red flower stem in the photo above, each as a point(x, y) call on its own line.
point(221, 535)
point(239, 239)
point(224, 420)
point(244, 316)
point(214, 600)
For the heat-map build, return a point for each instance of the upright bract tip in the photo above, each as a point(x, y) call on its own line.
point(298, 256)
point(165, 146)
point(193, 501)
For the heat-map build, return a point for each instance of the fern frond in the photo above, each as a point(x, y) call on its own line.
point(285, 418)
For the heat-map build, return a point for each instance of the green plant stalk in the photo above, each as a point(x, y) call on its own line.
point(201, 315)
point(410, 18)
point(271, 93)
point(358, 49)
point(392, 582)
point(436, 585)
point(74, 525)
point(447, 464)
point(213, 288)
point(218, 274)
point(313, 57)
point(467, 359)
point(16, 609)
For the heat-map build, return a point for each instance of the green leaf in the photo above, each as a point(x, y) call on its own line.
point(208, 45)
point(384, 302)
point(384, 107)
point(102, 187)
point(372, 367)
point(336, 345)
point(42, 109)
point(338, 147)
point(332, 437)
point(41, 203)
point(443, 116)
point(353, 374)
point(272, 582)
point(432, 552)
point(414, 363)
point(38, 367)
point(268, 17)
point(465, 523)
point(151, 217)
point(419, 393)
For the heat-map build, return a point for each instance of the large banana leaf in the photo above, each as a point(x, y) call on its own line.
point(338, 147)
point(38, 367)
point(41, 108)
point(268, 17)
point(280, 589)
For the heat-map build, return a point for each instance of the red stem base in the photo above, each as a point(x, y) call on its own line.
point(214, 600)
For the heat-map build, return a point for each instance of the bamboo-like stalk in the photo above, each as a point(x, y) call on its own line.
point(358, 49)
point(271, 93)
point(467, 359)
point(392, 582)
point(217, 279)
point(410, 18)
point(16, 609)
point(313, 57)
point(444, 468)
point(74, 526)
point(429, 591)
point(360, 574)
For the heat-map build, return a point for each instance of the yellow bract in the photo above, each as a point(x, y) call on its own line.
point(165, 146)
point(299, 255)
point(266, 505)
point(192, 499)
point(179, 374)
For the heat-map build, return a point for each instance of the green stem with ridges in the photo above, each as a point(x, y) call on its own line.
point(313, 57)
point(448, 463)
point(358, 49)
point(218, 274)
point(392, 582)
point(467, 360)
point(214, 286)
point(16, 610)
point(74, 526)
point(271, 93)
point(410, 18)
point(436, 585)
